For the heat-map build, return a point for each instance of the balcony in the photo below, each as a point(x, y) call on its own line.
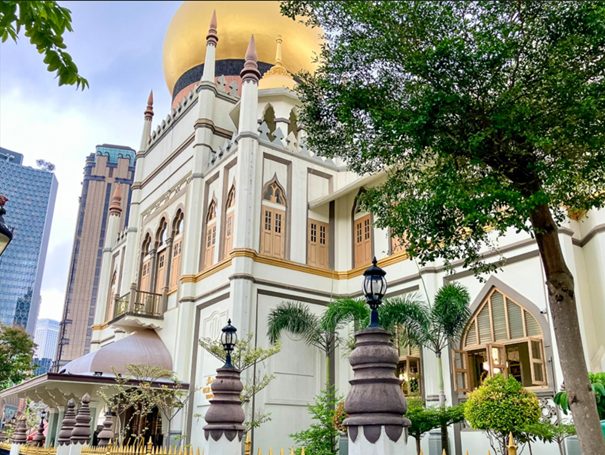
point(138, 309)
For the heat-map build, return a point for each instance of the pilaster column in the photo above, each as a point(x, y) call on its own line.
point(375, 404)
point(225, 416)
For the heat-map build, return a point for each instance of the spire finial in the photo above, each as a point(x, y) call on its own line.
point(278, 42)
point(212, 36)
point(115, 207)
point(250, 71)
point(149, 109)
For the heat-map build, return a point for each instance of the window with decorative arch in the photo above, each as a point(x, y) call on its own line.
point(362, 235)
point(161, 256)
point(502, 337)
point(229, 221)
point(146, 265)
point(210, 241)
point(178, 226)
point(273, 220)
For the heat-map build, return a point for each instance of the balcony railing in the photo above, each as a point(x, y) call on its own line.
point(139, 303)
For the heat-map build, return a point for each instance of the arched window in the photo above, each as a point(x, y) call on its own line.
point(177, 246)
point(273, 220)
point(502, 337)
point(146, 264)
point(229, 221)
point(210, 242)
point(162, 259)
point(317, 243)
point(362, 235)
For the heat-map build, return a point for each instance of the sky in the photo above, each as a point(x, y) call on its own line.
point(118, 48)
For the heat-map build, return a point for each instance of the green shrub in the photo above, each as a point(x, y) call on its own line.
point(502, 406)
point(425, 419)
point(321, 437)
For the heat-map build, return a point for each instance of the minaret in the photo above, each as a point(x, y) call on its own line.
point(202, 149)
point(133, 234)
point(113, 227)
point(248, 178)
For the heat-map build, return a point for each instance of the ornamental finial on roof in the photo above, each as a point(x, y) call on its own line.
point(250, 71)
point(149, 109)
point(115, 207)
point(212, 36)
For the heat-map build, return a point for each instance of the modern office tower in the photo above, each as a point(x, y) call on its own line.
point(46, 335)
point(109, 166)
point(31, 193)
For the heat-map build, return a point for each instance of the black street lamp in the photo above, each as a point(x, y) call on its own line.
point(228, 340)
point(6, 234)
point(374, 288)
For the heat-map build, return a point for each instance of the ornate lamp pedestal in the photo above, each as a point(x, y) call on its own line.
point(67, 425)
point(375, 404)
point(19, 436)
point(80, 435)
point(225, 416)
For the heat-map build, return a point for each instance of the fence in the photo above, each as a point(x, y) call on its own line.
point(148, 449)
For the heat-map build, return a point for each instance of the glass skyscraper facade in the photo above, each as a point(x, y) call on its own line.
point(31, 193)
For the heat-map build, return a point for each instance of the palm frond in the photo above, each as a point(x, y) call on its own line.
point(296, 318)
point(450, 311)
point(343, 311)
point(407, 311)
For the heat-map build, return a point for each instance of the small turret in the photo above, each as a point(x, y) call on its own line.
point(211, 42)
point(250, 71)
point(115, 207)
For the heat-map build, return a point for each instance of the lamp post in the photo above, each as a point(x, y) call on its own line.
point(228, 340)
point(225, 416)
point(374, 288)
point(375, 404)
point(6, 234)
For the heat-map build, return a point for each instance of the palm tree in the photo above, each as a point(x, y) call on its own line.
point(319, 331)
point(433, 327)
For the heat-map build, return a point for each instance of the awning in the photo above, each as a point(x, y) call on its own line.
point(141, 348)
point(367, 180)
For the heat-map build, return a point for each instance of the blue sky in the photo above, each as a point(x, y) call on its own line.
point(118, 48)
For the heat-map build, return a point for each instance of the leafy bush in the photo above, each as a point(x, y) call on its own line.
point(502, 406)
point(550, 432)
point(320, 437)
point(425, 419)
point(597, 380)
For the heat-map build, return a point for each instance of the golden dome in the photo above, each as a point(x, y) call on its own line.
point(185, 42)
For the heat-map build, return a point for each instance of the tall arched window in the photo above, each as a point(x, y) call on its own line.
point(146, 265)
point(502, 337)
point(177, 246)
point(210, 242)
point(229, 221)
point(273, 220)
point(362, 236)
point(162, 256)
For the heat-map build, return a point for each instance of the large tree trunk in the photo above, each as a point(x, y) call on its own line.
point(564, 314)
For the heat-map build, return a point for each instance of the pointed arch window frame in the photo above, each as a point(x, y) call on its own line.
point(274, 219)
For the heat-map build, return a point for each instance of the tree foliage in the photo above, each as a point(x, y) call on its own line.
point(597, 382)
point(44, 23)
point(425, 419)
point(501, 406)
point(321, 437)
point(484, 118)
point(16, 356)
point(137, 393)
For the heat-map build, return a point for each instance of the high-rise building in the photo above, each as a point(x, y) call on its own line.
point(31, 193)
point(109, 166)
point(45, 337)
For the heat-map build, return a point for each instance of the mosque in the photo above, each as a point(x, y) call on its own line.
point(231, 214)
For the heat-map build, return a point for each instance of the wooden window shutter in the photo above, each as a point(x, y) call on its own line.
point(461, 379)
point(536, 358)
